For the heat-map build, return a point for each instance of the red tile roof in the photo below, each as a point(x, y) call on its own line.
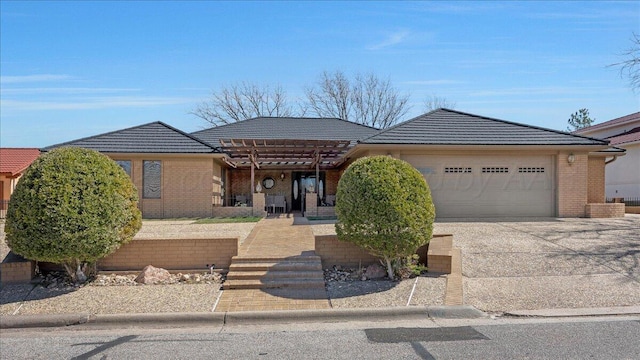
point(14, 161)
point(629, 136)
point(610, 123)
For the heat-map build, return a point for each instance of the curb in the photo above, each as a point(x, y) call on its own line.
point(603, 311)
point(240, 318)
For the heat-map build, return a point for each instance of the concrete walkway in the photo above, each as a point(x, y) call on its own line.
point(276, 237)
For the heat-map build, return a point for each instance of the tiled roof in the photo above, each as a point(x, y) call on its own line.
point(155, 137)
point(273, 128)
point(630, 136)
point(14, 161)
point(611, 123)
point(450, 127)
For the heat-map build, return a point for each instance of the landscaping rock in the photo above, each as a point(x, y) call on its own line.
point(152, 275)
point(375, 271)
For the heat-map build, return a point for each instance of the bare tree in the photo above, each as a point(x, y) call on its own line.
point(630, 66)
point(243, 101)
point(366, 99)
point(331, 96)
point(434, 102)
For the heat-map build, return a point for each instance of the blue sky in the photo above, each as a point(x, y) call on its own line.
point(75, 69)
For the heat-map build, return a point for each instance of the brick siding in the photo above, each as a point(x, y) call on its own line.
point(17, 272)
point(595, 180)
point(572, 184)
point(172, 254)
point(335, 252)
point(189, 186)
point(605, 210)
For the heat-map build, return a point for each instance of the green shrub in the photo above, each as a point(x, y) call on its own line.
point(73, 206)
point(384, 206)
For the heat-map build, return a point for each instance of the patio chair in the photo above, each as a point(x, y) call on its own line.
point(330, 200)
point(241, 200)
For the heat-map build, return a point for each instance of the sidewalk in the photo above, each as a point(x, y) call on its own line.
point(278, 237)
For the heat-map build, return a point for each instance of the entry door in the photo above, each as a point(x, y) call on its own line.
point(303, 182)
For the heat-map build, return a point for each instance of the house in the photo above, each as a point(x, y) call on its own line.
point(13, 163)
point(476, 166)
point(622, 179)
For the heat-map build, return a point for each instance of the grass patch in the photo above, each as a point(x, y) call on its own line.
point(221, 220)
point(329, 217)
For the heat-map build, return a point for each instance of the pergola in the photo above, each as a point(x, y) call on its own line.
point(285, 153)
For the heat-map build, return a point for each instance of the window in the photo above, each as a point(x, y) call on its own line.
point(530, 169)
point(495, 170)
point(452, 170)
point(151, 179)
point(125, 165)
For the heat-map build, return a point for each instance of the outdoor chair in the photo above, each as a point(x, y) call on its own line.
point(330, 200)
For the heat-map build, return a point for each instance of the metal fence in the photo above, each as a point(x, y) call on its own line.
point(626, 201)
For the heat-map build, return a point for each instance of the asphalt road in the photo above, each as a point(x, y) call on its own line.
point(577, 338)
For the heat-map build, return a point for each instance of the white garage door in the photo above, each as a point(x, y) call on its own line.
point(489, 186)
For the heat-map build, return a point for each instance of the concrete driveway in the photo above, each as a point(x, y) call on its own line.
point(548, 263)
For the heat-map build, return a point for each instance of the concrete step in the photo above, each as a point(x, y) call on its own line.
point(299, 258)
point(255, 275)
point(274, 284)
point(276, 266)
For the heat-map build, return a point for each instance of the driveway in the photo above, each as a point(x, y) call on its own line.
point(548, 263)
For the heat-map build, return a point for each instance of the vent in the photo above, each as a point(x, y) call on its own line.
point(453, 170)
point(495, 169)
point(530, 169)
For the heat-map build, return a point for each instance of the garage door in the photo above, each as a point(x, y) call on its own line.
point(489, 186)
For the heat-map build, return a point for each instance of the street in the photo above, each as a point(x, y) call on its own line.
point(503, 338)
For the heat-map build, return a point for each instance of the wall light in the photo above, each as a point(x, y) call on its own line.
point(282, 176)
point(571, 158)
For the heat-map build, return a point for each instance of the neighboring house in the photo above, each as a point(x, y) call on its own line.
point(622, 179)
point(13, 163)
point(476, 166)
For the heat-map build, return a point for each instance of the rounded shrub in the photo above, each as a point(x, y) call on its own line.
point(73, 206)
point(384, 206)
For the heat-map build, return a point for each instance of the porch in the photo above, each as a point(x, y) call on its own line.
point(280, 176)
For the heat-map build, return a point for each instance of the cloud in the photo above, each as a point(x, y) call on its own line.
point(392, 39)
point(64, 91)
point(94, 103)
point(33, 78)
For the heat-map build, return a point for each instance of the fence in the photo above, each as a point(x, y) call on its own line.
point(626, 201)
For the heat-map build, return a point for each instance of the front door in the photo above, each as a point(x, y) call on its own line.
point(303, 182)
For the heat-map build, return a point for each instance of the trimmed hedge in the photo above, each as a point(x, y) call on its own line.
point(73, 206)
point(384, 205)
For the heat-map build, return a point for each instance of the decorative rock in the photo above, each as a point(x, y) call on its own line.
point(375, 271)
point(152, 275)
point(185, 277)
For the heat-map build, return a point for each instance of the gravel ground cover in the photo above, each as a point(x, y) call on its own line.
point(109, 294)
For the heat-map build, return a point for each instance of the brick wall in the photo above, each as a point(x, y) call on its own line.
point(172, 254)
point(440, 254)
point(604, 210)
point(17, 272)
point(335, 252)
point(595, 181)
point(632, 209)
point(331, 179)
point(258, 205)
point(311, 204)
point(189, 186)
point(572, 184)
